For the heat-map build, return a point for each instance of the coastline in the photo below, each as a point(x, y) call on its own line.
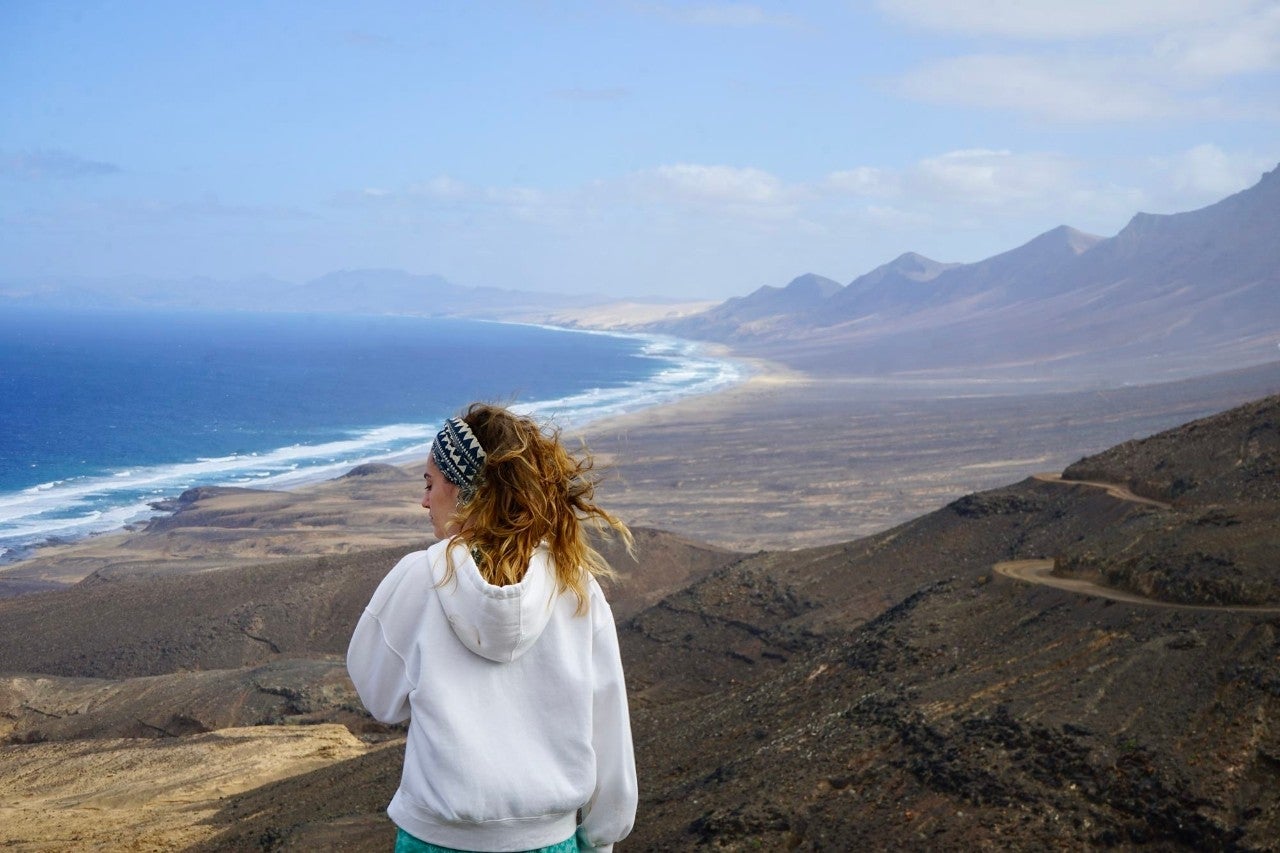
point(780, 461)
point(62, 514)
point(325, 511)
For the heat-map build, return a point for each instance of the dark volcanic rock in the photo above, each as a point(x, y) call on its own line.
point(998, 502)
point(1220, 542)
point(196, 494)
point(930, 706)
point(1225, 458)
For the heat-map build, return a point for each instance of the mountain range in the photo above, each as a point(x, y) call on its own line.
point(1166, 297)
point(361, 291)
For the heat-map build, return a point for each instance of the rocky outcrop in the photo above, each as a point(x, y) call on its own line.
point(1219, 542)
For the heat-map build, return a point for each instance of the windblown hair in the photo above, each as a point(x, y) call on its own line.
point(532, 490)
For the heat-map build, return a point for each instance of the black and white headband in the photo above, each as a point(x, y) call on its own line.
point(458, 454)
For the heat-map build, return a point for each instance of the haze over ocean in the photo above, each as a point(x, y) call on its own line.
point(105, 412)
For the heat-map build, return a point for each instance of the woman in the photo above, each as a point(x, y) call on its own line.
point(498, 646)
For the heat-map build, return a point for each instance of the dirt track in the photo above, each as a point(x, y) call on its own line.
point(1111, 488)
point(1038, 571)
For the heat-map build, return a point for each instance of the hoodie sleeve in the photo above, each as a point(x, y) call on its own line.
point(376, 665)
point(611, 811)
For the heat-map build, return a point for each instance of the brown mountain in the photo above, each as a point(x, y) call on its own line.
point(898, 692)
point(935, 685)
point(122, 625)
point(888, 289)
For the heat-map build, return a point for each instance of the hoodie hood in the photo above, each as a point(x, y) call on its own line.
point(499, 623)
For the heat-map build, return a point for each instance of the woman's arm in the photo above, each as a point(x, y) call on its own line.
point(378, 672)
point(379, 645)
point(611, 812)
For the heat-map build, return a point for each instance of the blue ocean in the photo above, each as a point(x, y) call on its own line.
point(103, 413)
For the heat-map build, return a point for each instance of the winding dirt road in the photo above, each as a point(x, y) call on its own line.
point(1111, 488)
point(1039, 571)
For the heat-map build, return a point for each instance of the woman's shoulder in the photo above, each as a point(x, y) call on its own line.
point(412, 570)
point(598, 609)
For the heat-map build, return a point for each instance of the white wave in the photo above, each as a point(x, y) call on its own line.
point(690, 373)
point(80, 506)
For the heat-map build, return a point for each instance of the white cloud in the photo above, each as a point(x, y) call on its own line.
point(444, 190)
point(955, 205)
point(982, 178)
point(1054, 88)
point(863, 181)
point(722, 15)
point(441, 187)
point(53, 164)
point(713, 184)
point(1099, 61)
point(1054, 20)
point(1206, 173)
point(993, 178)
point(1246, 44)
point(984, 185)
point(895, 218)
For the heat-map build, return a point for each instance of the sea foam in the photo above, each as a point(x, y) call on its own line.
point(74, 507)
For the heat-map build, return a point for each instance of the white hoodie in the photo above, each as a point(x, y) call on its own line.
point(517, 707)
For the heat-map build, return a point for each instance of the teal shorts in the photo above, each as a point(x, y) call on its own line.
point(406, 843)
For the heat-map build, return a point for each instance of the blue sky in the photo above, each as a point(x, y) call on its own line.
point(694, 150)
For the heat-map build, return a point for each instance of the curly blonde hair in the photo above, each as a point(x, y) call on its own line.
point(532, 490)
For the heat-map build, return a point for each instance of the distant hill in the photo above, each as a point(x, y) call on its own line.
point(891, 288)
point(760, 312)
point(367, 291)
point(1167, 297)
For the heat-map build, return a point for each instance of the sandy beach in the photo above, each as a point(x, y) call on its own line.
point(783, 460)
point(786, 460)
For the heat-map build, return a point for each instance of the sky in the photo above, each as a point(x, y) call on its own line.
point(681, 150)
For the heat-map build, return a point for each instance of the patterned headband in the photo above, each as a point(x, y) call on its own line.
point(458, 453)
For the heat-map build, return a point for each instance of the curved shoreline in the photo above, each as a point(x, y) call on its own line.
point(67, 512)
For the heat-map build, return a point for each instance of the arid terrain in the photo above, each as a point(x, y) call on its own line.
point(187, 691)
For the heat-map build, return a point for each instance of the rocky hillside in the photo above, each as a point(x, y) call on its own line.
point(1233, 457)
point(120, 625)
point(895, 691)
point(1219, 541)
